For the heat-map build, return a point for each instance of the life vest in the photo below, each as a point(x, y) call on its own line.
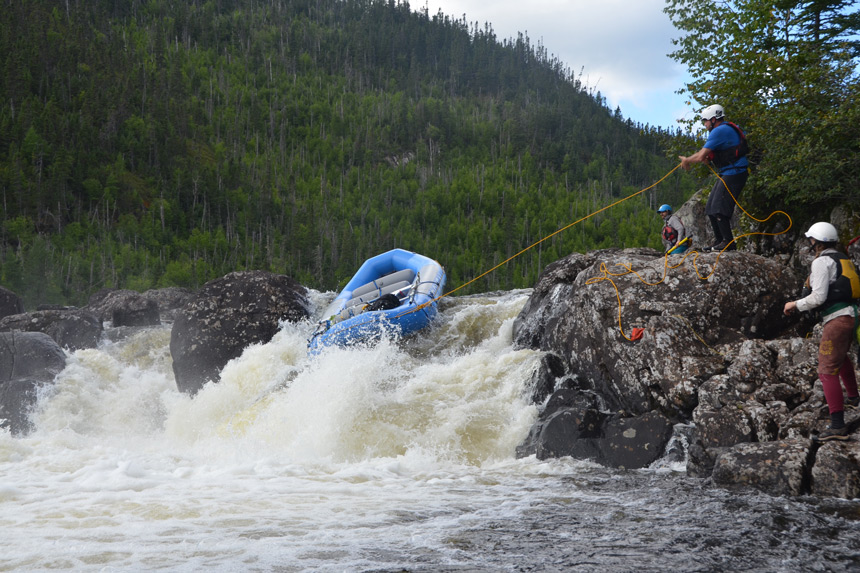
point(845, 290)
point(724, 157)
point(670, 234)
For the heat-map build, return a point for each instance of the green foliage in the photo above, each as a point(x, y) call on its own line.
point(157, 144)
point(787, 73)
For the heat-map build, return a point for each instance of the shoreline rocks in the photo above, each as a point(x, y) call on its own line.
point(715, 351)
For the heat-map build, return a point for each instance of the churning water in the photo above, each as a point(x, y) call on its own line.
point(391, 458)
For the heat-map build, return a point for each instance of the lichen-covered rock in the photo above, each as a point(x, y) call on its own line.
point(226, 316)
point(686, 312)
point(716, 350)
point(779, 467)
point(836, 472)
point(71, 328)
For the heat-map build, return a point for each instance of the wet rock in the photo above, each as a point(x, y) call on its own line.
point(29, 362)
point(779, 467)
point(545, 377)
point(635, 442)
point(10, 303)
point(71, 328)
point(26, 355)
point(17, 400)
point(571, 424)
point(226, 316)
point(716, 350)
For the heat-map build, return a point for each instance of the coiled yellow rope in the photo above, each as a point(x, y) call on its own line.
point(606, 275)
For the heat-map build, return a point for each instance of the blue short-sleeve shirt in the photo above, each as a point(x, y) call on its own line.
point(723, 137)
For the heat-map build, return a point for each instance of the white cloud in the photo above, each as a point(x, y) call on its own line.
point(621, 46)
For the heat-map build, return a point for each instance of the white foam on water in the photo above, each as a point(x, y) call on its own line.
point(285, 457)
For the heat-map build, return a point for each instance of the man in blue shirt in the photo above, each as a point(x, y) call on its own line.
point(726, 147)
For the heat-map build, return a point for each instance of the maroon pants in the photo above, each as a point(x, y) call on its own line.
point(834, 364)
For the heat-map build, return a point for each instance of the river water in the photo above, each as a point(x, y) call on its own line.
point(398, 457)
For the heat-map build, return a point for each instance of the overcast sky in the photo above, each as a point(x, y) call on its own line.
point(620, 45)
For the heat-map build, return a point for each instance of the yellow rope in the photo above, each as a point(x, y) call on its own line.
point(605, 274)
point(628, 269)
point(566, 227)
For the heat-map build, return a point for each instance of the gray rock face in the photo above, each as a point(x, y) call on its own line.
point(29, 361)
point(226, 316)
point(32, 355)
point(684, 319)
point(70, 327)
point(715, 350)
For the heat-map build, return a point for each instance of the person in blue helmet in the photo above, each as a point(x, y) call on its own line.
point(727, 148)
point(674, 234)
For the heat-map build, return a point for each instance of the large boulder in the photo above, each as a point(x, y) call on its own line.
point(686, 313)
point(226, 316)
point(32, 355)
point(716, 358)
point(29, 361)
point(10, 303)
point(71, 328)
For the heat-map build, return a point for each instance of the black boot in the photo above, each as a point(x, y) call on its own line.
point(837, 430)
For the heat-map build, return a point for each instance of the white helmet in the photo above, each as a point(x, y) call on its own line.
point(824, 232)
point(713, 112)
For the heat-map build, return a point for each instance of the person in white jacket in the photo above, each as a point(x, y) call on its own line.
point(833, 287)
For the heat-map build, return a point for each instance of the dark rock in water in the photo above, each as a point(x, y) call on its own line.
point(17, 400)
point(635, 442)
point(226, 316)
point(72, 328)
point(544, 380)
point(29, 361)
point(572, 425)
point(10, 303)
point(29, 355)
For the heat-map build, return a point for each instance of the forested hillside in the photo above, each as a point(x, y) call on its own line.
point(157, 143)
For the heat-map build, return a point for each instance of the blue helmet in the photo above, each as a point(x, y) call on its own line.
point(664, 207)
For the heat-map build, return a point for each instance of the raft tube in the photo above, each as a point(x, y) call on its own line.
point(409, 280)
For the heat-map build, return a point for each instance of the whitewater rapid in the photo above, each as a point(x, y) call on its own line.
point(398, 456)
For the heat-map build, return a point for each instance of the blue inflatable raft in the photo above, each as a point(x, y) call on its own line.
point(393, 293)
